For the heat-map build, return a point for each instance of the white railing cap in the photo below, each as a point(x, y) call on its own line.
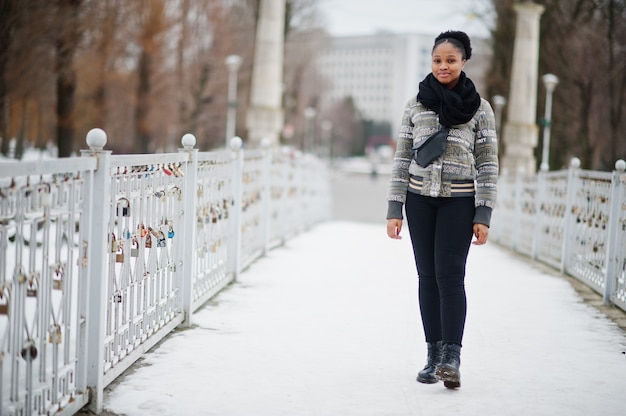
point(236, 143)
point(96, 139)
point(188, 141)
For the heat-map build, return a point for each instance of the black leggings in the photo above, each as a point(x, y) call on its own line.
point(441, 233)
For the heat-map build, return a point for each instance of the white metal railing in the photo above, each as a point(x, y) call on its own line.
point(573, 220)
point(102, 256)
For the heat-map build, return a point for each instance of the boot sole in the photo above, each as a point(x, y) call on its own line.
point(451, 378)
point(427, 380)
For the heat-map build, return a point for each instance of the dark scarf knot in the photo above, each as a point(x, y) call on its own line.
point(455, 106)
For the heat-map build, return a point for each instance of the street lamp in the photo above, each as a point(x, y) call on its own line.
point(232, 63)
point(498, 103)
point(550, 81)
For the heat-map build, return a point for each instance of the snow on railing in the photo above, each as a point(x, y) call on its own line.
point(103, 255)
point(573, 220)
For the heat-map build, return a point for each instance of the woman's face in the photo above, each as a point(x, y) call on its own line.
point(447, 64)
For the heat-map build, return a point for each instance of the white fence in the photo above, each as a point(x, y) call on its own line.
point(573, 220)
point(102, 256)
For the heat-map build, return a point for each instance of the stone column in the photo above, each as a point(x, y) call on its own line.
point(521, 130)
point(265, 114)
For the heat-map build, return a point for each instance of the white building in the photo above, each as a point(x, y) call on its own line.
point(382, 71)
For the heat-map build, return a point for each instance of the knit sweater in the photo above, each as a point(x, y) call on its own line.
point(471, 154)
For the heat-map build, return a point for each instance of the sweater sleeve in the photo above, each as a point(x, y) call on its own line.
point(486, 159)
point(399, 179)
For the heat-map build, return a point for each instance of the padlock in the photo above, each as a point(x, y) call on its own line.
point(114, 244)
point(148, 242)
point(117, 297)
point(55, 335)
point(161, 242)
point(31, 289)
point(29, 352)
point(124, 204)
point(57, 281)
point(21, 276)
point(119, 256)
point(178, 170)
point(134, 247)
point(4, 305)
point(170, 233)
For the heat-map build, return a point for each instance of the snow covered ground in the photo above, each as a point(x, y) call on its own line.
point(329, 325)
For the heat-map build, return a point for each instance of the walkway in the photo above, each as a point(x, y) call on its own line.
point(328, 326)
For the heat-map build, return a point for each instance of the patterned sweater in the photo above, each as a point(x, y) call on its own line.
point(471, 155)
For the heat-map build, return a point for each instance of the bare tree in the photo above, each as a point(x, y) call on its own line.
point(588, 111)
point(8, 18)
point(66, 44)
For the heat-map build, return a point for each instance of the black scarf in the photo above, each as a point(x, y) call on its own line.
point(455, 106)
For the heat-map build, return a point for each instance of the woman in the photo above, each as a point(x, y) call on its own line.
point(445, 173)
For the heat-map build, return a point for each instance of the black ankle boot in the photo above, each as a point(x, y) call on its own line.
point(427, 375)
point(448, 369)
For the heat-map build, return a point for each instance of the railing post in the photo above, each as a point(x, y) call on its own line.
point(190, 206)
point(540, 214)
point(266, 195)
point(568, 222)
point(234, 249)
point(519, 185)
point(98, 219)
point(611, 227)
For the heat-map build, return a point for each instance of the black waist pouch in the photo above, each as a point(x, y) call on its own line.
point(432, 148)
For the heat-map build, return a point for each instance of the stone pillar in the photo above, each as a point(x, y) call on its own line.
point(265, 114)
point(521, 130)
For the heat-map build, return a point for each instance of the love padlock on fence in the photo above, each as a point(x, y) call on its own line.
point(29, 352)
point(4, 304)
point(57, 279)
point(134, 247)
point(31, 289)
point(119, 255)
point(123, 207)
point(161, 242)
point(114, 244)
point(55, 335)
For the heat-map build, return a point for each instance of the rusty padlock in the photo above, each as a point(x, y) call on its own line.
point(4, 304)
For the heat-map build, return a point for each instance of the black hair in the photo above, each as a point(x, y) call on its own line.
point(458, 39)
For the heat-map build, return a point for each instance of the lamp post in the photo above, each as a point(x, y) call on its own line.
point(498, 103)
point(549, 81)
point(309, 134)
point(327, 127)
point(232, 63)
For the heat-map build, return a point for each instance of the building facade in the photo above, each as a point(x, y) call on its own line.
point(381, 72)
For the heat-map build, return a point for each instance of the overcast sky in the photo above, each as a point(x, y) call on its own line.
point(359, 17)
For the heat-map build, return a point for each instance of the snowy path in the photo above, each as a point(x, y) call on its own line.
point(329, 326)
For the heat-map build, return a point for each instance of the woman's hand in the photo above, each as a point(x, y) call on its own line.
point(394, 226)
point(481, 232)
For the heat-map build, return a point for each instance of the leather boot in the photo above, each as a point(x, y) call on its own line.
point(427, 375)
point(448, 369)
